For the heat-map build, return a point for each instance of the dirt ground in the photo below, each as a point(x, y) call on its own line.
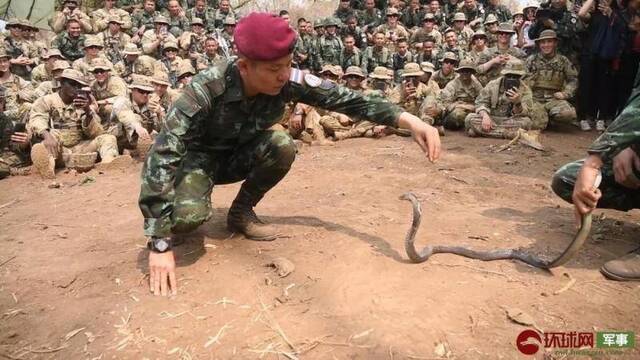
point(73, 263)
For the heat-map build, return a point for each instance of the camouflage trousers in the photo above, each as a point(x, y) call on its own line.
point(105, 145)
point(362, 128)
point(504, 127)
point(312, 128)
point(557, 111)
point(10, 159)
point(614, 195)
point(454, 119)
point(262, 163)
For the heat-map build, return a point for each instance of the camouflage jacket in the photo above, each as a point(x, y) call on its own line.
point(144, 65)
point(370, 20)
point(213, 115)
point(114, 44)
point(500, 11)
point(71, 48)
point(487, 74)
point(177, 24)
point(353, 58)
point(40, 74)
point(208, 17)
point(219, 17)
point(100, 19)
point(329, 48)
point(457, 92)
point(623, 132)
point(126, 112)
point(548, 76)
point(441, 79)
point(142, 18)
point(421, 35)
point(373, 57)
point(108, 92)
point(343, 14)
point(493, 100)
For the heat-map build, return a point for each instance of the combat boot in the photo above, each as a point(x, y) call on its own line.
point(42, 161)
point(626, 268)
point(242, 219)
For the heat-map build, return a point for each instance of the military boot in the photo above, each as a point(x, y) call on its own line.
point(626, 268)
point(43, 162)
point(242, 219)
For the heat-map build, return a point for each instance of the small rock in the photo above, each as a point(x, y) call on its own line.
point(55, 185)
point(283, 266)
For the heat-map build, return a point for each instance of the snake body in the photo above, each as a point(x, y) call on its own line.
point(491, 255)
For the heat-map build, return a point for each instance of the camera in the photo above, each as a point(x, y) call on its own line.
point(511, 83)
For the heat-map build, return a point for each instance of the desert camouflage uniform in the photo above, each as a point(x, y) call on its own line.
point(170, 68)
point(124, 117)
point(441, 79)
point(114, 45)
point(65, 123)
point(143, 65)
point(454, 97)
point(464, 37)
point(219, 18)
point(177, 24)
point(46, 88)
point(107, 93)
point(84, 65)
point(19, 95)
point(100, 19)
point(399, 31)
point(214, 135)
point(149, 38)
point(494, 72)
point(58, 22)
point(16, 48)
point(546, 77)
point(142, 18)
point(40, 74)
point(421, 35)
point(493, 100)
point(166, 100)
point(425, 98)
point(71, 48)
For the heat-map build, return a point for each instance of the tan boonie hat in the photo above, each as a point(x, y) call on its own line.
point(466, 64)
point(131, 49)
point(429, 16)
point(74, 75)
point(4, 53)
point(170, 45)
point(160, 20)
point(93, 41)
point(160, 78)
point(197, 21)
point(13, 22)
point(459, 17)
point(513, 66)
point(506, 27)
point(519, 11)
point(449, 56)
point(60, 65)
point(427, 67)
point(115, 19)
point(411, 69)
point(99, 63)
point(229, 20)
point(491, 19)
point(531, 4)
point(28, 24)
point(547, 34)
point(185, 68)
point(479, 33)
point(331, 69)
point(392, 11)
point(52, 52)
point(141, 82)
point(356, 71)
point(380, 72)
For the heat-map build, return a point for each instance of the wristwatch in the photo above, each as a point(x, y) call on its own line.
point(159, 244)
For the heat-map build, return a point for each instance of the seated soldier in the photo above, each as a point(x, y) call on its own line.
point(614, 155)
point(44, 71)
point(496, 57)
point(459, 96)
point(51, 86)
point(212, 54)
point(163, 96)
point(154, 40)
point(14, 143)
point(106, 87)
point(114, 39)
point(132, 118)
point(169, 62)
point(69, 12)
point(416, 97)
point(447, 71)
point(70, 42)
point(178, 22)
point(133, 62)
point(553, 80)
point(102, 17)
point(504, 106)
point(92, 50)
point(68, 123)
point(185, 73)
point(17, 48)
point(192, 43)
point(19, 93)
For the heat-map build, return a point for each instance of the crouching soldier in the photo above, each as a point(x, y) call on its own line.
point(68, 123)
point(459, 96)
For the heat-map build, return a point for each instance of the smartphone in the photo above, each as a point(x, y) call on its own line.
point(379, 85)
point(511, 83)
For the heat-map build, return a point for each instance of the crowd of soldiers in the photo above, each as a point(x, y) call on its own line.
point(104, 82)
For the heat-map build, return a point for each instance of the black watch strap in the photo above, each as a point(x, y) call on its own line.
point(159, 244)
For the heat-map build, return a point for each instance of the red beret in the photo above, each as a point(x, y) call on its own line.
point(264, 37)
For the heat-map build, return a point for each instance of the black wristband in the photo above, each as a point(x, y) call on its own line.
point(159, 244)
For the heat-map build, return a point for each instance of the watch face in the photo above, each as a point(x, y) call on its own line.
point(161, 245)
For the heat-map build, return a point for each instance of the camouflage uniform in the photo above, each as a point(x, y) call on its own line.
point(71, 48)
point(350, 59)
point(493, 100)
point(213, 135)
point(148, 39)
point(100, 19)
point(620, 135)
point(58, 22)
point(16, 48)
point(329, 48)
point(84, 65)
point(177, 24)
point(11, 155)
point(343, 14)
point(464, 37)
point(485, 75)
point(142, 18)
point(370, 19)
point(107, 93)
point(421, 35)
point(373, 57)
point(114, 45)
point(208, 17)
point(19, 96)
point(455, 98)
point(399, 31)
point(546, 77)
point(124, 118)
point(40, 74)
point(441, 79)
point(143, 65)
point(501, 12)
point(424, 98)
point(219, 18)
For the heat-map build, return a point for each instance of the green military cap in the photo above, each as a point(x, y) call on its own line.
point(478, 34)
point(160, 20)
point(427, 67)
point(74, 75)
point(141, 82)
point(459, 17)
point(197, 21)
point(99, 64)
point(331, 21)
point(131, 49)
point(392, 11)
point(230, 20)
point(170, 45)
point(161, 78)
point(547, 34)
point(60, 65)
point(506, 27)
point(381, 73)
point(491, 19)
point(52, 52)
point(513, 66)
point(449, 56)
point(355, 71)
point(411, 69)
point(318, 23)
point(466, 64)
point(93, 41)
point(115, 19)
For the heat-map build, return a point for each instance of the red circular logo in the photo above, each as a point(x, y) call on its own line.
point(528, 342)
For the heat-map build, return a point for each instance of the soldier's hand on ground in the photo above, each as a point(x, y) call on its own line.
point(513, 96)
point(142, 132)
point(585, 197)
point(424, 134)
point(50, 143)
point(623, 165)
point(560, 95)
point(162, 273)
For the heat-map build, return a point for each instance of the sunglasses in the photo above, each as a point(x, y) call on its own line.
point(99, 71)
point(143, 92)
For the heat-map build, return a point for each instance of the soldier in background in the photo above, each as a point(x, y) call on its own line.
point(500, 11)
point(504, 105)
point(447, 70)
point(178, 22)
point(553, 80)
point(44, 71)
point(350, 55)
point(223, 11)
point(192, 42)
point(400, 58)
point(392, 29)
point(376, 54)
point(329, 45)
point(114, 39)
point(106, 87)
point(163, 95)
point(203, 12)
point(492, 63)
point(14, 143)
point(416, 97)
point(131, 118)
point(462, 30)
point(154, 40)
point(19, 93)
point(21, 64)
point(428, 52)
point(50, 86)
point(427, 30)
point(459, 95)
point(102, 17)
point(133, 62)
point(143, 20)
point(70, 11)
point(170, 62)
point(92, 50)
point(491, 29)
point(70, 42)
point(452, 45)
